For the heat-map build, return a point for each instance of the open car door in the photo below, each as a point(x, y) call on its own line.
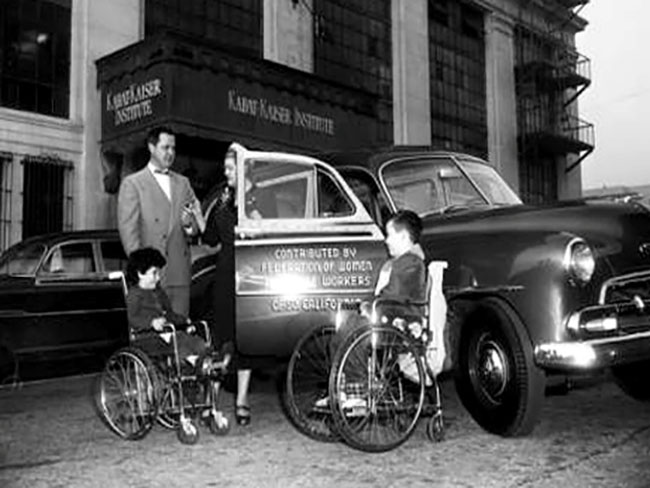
point(304, 243)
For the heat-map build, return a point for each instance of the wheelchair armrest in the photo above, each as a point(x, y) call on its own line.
point(203, 326)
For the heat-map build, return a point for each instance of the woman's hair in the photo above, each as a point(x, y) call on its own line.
point(409, 221)
point(140, 261)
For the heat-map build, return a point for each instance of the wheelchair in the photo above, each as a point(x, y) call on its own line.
point(372, 388)
point(138, 388)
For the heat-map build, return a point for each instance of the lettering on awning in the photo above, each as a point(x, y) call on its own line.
point(263, 109)
point(134, 102)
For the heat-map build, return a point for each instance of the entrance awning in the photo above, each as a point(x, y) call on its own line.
point(203, 92)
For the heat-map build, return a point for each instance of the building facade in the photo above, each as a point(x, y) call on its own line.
point(81, 82)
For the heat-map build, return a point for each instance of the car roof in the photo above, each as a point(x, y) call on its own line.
point(57, 237)
point(373, 158)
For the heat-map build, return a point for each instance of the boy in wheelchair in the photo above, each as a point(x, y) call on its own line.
point(153, 321)
point(400, 290)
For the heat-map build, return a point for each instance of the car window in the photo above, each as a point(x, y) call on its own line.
point(70, 258)
point(429, 185)
point(332, 200)
point(278, 190)
point(292, 190)
point(365, 188)
point(113, 255)
point(22, 261)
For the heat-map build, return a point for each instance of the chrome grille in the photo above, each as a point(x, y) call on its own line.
point(625, 288)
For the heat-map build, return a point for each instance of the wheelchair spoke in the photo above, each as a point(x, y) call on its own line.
point(305, 398)
point(126, 394)
point(378, 408)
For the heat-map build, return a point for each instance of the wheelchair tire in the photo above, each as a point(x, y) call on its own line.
point(376, 403)
point(187, 431)
point(307, 382)
point(125, 395)
point(219, 427)
point(436, 428)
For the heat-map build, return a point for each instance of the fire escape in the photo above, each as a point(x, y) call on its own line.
point(550, 75)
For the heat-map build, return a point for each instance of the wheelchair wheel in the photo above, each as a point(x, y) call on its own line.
point(436, 428)
point(125, 395)
point(218, 424)
point(168, 406)
point(377, 387)
point(187, 431)
point(307, 384)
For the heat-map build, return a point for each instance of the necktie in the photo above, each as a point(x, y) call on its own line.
point(161, 171)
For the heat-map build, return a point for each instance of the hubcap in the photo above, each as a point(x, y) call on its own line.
point(493, 374)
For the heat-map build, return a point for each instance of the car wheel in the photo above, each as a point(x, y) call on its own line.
point(632, 380)
point(496, 378)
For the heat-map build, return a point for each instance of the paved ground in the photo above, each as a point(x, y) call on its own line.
point(51, 437)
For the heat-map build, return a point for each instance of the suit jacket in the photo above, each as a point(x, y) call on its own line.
point(146, 218)
point(407, 281)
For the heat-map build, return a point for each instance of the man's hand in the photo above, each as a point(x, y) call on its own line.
point(158, 323)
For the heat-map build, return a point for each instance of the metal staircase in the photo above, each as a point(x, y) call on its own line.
point(550, 75)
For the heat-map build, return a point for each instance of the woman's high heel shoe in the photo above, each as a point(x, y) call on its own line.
point(242, 414)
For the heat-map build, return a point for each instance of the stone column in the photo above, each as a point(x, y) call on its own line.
point(289, 33)
point(411, 103)
point(501, 98)
point(98, 28)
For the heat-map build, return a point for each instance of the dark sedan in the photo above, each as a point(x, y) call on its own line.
point(57, 301)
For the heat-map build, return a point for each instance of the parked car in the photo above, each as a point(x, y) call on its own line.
point(533, 291)
point(57, 301)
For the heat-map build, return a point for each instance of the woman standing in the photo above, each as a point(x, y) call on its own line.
point(220, 230)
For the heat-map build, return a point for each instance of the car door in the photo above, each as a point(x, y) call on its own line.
point(309, 246)
point(74, 303)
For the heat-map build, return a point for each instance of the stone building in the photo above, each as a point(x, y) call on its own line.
point(82, 81)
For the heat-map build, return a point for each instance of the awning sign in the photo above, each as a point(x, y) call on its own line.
point(133, 103)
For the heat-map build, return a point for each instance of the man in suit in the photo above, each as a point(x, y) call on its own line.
point(156, 207)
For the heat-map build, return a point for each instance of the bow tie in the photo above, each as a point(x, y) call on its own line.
point(161, 171)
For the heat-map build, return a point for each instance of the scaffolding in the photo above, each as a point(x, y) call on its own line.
point(550, 75)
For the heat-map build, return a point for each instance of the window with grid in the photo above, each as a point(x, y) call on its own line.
point(35, 56)
point(235, 24)
point(353, 46)
point(6, 192)
point(538, 180)
point(47, 195)
point(457, 77)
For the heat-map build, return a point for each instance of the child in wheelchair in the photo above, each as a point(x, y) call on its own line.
point(400, 289)
point(153, 321)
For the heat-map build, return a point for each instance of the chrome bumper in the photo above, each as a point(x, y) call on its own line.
point(594, 353)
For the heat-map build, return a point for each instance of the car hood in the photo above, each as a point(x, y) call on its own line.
point(619, 232)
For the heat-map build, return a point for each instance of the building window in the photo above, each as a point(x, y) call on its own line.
point(234, 24)
point(47, 195)
point(353, 46)
point(35, 56)
point(538, 180)
point(6, 193)
point(538, 116)
point(457, 77)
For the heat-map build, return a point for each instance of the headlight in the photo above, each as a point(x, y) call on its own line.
point(579, 260)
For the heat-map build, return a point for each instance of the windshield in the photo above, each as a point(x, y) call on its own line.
point(21, 260)
point(490, 182)
point(438, 185)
